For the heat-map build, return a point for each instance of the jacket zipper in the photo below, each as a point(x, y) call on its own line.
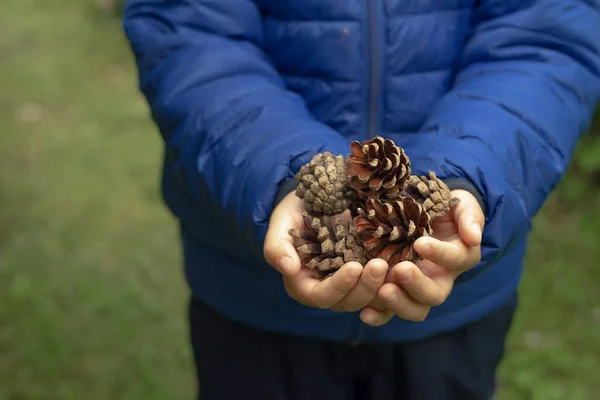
point(374, 33)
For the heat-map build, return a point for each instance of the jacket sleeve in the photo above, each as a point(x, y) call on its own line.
point(523, 96)
point(222, 109)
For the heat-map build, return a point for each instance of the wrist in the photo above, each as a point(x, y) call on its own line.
point(464, 184)
point(285, 188)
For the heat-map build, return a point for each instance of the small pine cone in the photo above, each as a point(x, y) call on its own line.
point(432, 193)
point(378, 169)
point(389, 230)
point(323, 185)
point(326, 243)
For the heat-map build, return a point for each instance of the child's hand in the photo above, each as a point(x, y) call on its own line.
point(455, 247)
point(350, 289)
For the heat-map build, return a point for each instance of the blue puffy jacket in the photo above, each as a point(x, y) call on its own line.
point(495, 93)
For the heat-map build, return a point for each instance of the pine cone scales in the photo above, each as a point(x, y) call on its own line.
point(389, 230)
point(323, 185)
point(432, 193)
point(391, 207)
point(377, 168)
point(326, 243)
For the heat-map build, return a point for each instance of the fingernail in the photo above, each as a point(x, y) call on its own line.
point(426, 243)
point(285, 265)
point(379, 273)
point(355, 273)
point(368, 318)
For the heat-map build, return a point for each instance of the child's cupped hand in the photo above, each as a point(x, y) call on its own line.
point(351, 288)
point(411, 289)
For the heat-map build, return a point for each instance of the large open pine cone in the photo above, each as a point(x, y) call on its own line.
point(377, 168)
point(432, 193)
point(323, 185)
point(389, 230)
point(326, 243)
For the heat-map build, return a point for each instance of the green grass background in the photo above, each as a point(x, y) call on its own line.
point(91, 290)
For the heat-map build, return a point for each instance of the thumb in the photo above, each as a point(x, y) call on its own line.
point(278, 248)
point(469, 217)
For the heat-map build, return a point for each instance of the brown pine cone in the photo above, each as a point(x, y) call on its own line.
point(326, 243)
point(389, 230)
point(432, 193)
point(378, 169)
point(323, 185)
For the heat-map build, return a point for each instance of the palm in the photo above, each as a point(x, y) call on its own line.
point(448, 230)
point(445, 228)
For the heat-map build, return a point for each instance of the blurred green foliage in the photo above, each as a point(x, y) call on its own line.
point(587, 160)
point(90, 279)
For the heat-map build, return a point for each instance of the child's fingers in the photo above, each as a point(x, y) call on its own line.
point(469, 217)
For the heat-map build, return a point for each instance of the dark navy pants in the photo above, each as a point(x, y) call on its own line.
point(236, 362)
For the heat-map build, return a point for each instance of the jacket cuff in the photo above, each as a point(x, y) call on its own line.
point(284, 189)
point(460, 183)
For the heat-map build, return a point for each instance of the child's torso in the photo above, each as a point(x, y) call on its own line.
point(367, 66)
